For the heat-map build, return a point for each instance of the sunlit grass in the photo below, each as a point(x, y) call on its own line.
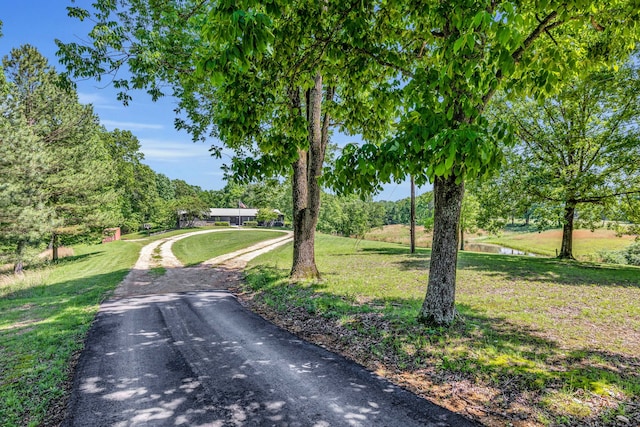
point(196, 249)
point(586, 243)
point(533, 328)
point(44, 317)
point(143, 235)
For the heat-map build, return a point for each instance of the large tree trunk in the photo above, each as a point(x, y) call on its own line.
point(439, 305)
point(306, 190)
point(566, 251)
point(304, 260)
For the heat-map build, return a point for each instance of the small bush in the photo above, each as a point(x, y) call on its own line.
point(612, 257)
point(632, 254)
point(221, 224)
point(250, 223)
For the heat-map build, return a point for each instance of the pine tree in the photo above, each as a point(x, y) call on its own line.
point(74, 183)
point(24, 217)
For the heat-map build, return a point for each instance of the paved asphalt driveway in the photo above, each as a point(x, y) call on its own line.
point(200, 358)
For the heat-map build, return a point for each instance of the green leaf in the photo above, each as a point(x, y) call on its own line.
point(458, 44)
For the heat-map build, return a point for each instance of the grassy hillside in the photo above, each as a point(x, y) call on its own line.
point(539, 341)
point(44, 317)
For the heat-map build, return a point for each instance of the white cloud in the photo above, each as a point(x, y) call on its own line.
point(112, 124)
point(172, 151)
point(97, 100)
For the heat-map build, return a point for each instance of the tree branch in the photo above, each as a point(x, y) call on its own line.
point(544, 25)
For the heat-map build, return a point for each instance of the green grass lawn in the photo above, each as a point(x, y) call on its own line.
point(586, 243)
point(196, 249)
point(559, 339)
point(143, 234)
point(44, 318)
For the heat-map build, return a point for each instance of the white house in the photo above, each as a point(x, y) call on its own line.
point(233, 216)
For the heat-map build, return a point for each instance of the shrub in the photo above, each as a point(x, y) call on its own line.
point(612, 257)
point(221, 224)
point(250, 223)
point(632, 254)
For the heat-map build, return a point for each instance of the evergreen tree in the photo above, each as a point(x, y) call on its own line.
point(75, 183)
point(24, 217)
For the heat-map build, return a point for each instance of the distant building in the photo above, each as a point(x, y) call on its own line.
point(234, 216)
point(110, 234)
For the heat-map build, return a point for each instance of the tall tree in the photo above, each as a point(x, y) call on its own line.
point(502, 197)
point(456, 55)
point(24, 217)
point(582, 145)
point(266, 78)
point(78, 184)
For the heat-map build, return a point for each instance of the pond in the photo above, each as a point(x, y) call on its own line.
point(494, 249)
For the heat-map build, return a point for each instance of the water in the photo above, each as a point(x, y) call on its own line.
point(493, 249)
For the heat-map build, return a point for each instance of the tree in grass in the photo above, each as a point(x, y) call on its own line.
point(503, 197)
point(581, 146)
point(349, 216)
point(469, 214)
point(189, 210)
point(269, 79)
point(75, 183)
point(25, 217)
point(457, 55)
point(266, 216)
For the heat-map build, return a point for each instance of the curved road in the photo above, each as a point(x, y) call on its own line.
point(201, 359)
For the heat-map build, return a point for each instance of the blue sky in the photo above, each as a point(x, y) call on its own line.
point(40, 22)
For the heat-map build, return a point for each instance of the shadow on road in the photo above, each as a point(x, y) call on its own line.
point(202, 359)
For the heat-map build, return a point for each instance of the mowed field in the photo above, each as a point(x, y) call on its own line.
point(586, 243)
point(539, 341)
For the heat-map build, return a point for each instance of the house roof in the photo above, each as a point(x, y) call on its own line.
point(232, 212)
point(236, 212)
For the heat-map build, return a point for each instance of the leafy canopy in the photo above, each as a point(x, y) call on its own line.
point(455, 56)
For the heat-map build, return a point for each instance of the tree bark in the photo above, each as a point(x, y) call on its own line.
point(19, 265)
point(55, 242)
point(439, 304)
point(413, 216)
point(307, 170)
point(461, 232)
point(304, 261)
point(566, 250)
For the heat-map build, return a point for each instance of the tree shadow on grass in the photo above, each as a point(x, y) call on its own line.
point(526, 372)
point(404, 260)
point(70, 292)
point(75, 258)
point(48, 321)
point(522, 268)
point(398, 250)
